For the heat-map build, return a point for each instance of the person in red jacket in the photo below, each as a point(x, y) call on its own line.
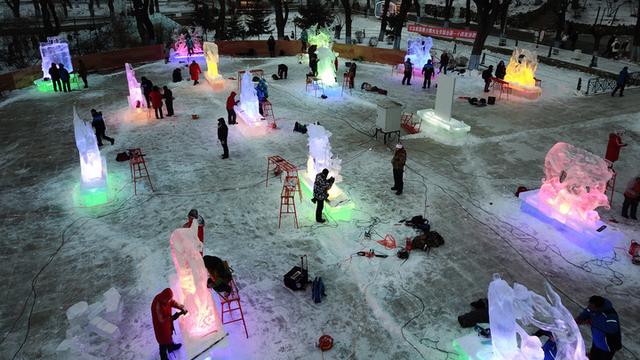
point(614, 146)
point(193, 215)
point(156, 101)
point(631, 198)
point(194, 71)
point(163, 321)
point(231, 112)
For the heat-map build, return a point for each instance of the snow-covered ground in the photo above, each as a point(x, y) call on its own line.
point(375, 308)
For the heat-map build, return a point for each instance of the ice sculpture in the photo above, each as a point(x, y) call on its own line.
point(180, 49)
point(419, 51)
point(521, 69)
point(55, 51)
point(202, 318)
point(320, 37)
point(249, 101)
point(92, 166)
point(211, 54)
point(320, 155)
point(326, 66)
point(136, 98)
point(512, 308)
point(574, 184)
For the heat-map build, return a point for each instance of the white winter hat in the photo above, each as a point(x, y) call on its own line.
point(399, 146)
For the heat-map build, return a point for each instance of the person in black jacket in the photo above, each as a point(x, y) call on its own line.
point(486, 76)
point(167, 95)
point(82, 72)
point(271, 44)
point(146, 86)
point(501, 70)
point(427, 72)
point(65, 78)
point(444, 62)
point(223, 133)
point(177, 75)
point(100, 127)
point(54, 73)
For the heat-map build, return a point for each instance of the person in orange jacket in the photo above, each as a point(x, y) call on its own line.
point(231, 112)
point(193, 215)
point(194, 71)
point(156, 101)
point(163, 321)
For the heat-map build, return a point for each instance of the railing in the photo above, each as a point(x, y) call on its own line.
point(599, 85)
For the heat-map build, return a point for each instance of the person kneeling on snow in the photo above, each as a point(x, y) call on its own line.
point(219, 275)
point(163, 321)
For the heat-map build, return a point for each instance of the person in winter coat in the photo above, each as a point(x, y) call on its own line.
point(622, 81)
point(54, 74)
point(321, 188)
point(82, 72)
point(614, 145)
point(501, 70)
point(156, 102)
point(65, 78)
point(304, 37)
point(444, 62)
point(176, 76)
point(615, 49)
point(313, 63)
point(352, 74)
point(194, 71)
point(193, 215)
point(167, 95)
point(427, 73)
point(163, 321)
point(262, 91)
point(100, 127)
point(223, 133)
point(631, 198)
point(271, 45)
point(408, 72)
point(219, 275)
point(605, 328)
point(486, 76)
point(147, 87)
point(231, 112)
point(398, 162)
point(283, 70)
point(189, 43)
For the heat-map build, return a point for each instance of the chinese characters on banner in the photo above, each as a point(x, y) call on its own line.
point(442, 32)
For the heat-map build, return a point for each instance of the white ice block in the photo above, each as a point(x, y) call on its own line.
point(104, 328)
point(112, 305)
point(77, 313)
point(96, 309)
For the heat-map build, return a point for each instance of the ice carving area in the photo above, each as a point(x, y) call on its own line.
point(53, 51)
point(521, 72)
point(213, 75)
point(248, 108)
point(440, 118)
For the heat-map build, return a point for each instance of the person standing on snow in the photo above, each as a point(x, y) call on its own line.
point(321, 188)
point(486, 76)
point(427, 73)
point(54, 74)
point(82, 72)
point(194, 71)
point(622, 81)
point(304, 37)
point(408, 72)
point(193, 215)
point(156, 102)
point(271, 45)
point(605, 328)
point(65, 78)
point(631, 198)
point(614, 146)
point(444, 62)
point(189, 43)
point(352, 74)
point(147, 87)
point(163, 321)
point(231, 112)
point(167, 95)
point(100, 127)
point(398, 162)
point(262, 91)
point(501, 70)
point(223, 133)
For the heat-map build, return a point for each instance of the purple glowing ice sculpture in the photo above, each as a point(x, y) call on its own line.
point(136, 98)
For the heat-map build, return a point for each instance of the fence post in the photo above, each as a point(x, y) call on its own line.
point(579, 84)
point(455, 45)
point(588, 86)
point(482, 61)
point(550, 48)
point(594, 61)
point(516, 42)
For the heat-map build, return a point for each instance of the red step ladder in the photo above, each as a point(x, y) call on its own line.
point(280, 164)
point(138, 168)
point(231, 298)
point(611, 184)
point(288, 201)
point(267, 113)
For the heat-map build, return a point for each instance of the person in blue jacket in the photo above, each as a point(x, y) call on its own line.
point(605, 328)
point(621, 82)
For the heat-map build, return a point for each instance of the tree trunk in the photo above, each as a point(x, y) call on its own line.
point(220, 28)
point(346, 4)
point(157, 5)
point(447, 12)
point(143, 23)
point(14, 5)
point(635, 48)
point(383, 20)
point(92, 12)
point(54, 15)
point(46, 19)
point(467, 15)
point(485, 22)
point(280, 20)
point(36, 8)
point(562, 14)
point(112, 10)
point(367, 8)
point(404, 9)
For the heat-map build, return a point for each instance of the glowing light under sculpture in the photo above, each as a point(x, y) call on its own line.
point(512, 308)
point(93, 168)
point(419, 51)
point(248, 107)
point(55, 51)
point(136, 98)
point(203, 320)
point(326, 66)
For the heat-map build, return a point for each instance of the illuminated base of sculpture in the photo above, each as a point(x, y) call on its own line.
point(531, 93)
point(451, 125)
point(338, 207)
point(473, 347)
point(192, 347)
point(217, 83)
point(250, 120)
point(177, 58)
point(583, 235)
point(47, 85)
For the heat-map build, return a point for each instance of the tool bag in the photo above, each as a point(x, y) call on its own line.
point(298, 277)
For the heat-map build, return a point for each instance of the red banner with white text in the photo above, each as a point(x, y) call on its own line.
point(442, 32)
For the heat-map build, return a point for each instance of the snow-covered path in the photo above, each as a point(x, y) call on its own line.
point(375, 308)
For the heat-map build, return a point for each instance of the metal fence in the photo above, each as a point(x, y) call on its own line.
point(599, 85)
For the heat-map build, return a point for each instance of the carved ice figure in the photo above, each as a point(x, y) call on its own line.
point(211, 55)
point(194, 36)
point(92, 166)
point(419, 50)
point(575, 183)
point(248, 98)
point(512, 308)
point(522, 67)
point(202, 318)
point(136, 98)
point(320, 155)
point(326, 66)
point(55, 51)
point(320, 37)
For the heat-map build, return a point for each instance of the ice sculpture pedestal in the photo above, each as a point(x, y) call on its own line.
point(249, 119)
point(450, 125)
point(473, 347)
point(440, 117)
point(531, 93)
point(216, 83)
point(337, 207)
point(585, 236)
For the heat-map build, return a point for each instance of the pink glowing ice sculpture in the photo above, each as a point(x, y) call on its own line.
point(203, 318)
point(93, 168)
point(136, 98)
point(574, 184)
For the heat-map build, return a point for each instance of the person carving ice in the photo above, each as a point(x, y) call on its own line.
point(605, 328)
point(163, 321)
point(321, 188)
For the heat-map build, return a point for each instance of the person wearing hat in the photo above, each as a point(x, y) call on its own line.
point(321, 188)
point(193, 215)
point(163, 321)
point(398, 161)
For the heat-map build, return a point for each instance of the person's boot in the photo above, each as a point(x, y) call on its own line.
point(113, 141)
point(174, 347)
point(321, 221)
point(394, 188)
point(399, 192)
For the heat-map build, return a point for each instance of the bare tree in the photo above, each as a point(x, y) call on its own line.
point(346, 4)
point(384, 19)
point(467, 14)
point(488, 12)
point(635, 49)
point(14, 5)
point(48, 11)
point(281, 9)
point(143, 23)
point(560, 7)
point(401, 17)
point(448, 4)
point(221, 29)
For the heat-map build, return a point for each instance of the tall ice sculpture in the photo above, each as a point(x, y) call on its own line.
point(93, 167)
point(136, 98)
point(53, 51)
point(248, 107)
point(212, 75)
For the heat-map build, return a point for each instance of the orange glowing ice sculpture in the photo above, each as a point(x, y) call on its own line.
point(521, 69)
point(202, 318)
point(575, 183)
